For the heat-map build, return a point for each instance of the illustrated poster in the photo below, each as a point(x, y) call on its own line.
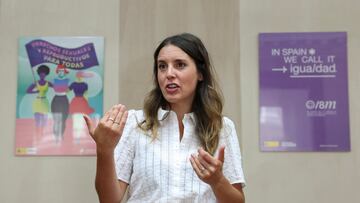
point(59, 80)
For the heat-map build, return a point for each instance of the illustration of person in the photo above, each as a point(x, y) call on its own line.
point(79, 105)
point(40, 105)
point(60, 102)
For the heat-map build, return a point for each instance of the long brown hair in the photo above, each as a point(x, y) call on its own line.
point(208, 101)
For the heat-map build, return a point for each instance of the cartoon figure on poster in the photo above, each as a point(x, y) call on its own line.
point(40, 105)
point(79, 104)
point(60, 102)
point(59, 80)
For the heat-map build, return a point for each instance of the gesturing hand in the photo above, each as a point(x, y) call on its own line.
point(207, 167)
point(110, 128)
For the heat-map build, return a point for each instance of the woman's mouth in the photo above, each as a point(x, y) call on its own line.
point(172, 88)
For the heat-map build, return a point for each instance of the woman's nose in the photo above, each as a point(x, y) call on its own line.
point(170, 73)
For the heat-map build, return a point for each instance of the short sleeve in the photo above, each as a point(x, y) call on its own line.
point(125, 150)
point(232, 167)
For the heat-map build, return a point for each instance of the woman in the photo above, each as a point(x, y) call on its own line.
point(60, 102)
point(79, 104)
point(40, 105)
point(173, 150)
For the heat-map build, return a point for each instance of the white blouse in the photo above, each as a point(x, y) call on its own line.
point(160, 170)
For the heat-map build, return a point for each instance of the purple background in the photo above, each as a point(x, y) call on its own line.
point(284, 122)
point(37, 57)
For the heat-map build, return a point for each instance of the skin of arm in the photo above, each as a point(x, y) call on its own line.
point(85, 95)
point(225, 192)
point(107, 186)
point(106, 136)
point(31, 90)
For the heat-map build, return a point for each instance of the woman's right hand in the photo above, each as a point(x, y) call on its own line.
point(109, 130)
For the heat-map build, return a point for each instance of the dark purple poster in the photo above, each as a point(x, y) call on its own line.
point(304, 92)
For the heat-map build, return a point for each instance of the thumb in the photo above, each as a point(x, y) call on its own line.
point(89, 124)
point(221, 154)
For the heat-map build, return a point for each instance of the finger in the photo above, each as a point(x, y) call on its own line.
point(203, 170)
point(119, 116)
point(114, 112)
point(195, 166)
point(123, 121)
point(205, 164)
point(119, 126)
point(207, 157)
point(105, 117)
point(221, 155)
point(89, 124)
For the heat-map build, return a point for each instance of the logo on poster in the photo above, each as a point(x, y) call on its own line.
point(320, 107)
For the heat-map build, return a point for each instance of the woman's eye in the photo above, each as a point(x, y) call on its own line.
point(181, 65)
point(161, 66)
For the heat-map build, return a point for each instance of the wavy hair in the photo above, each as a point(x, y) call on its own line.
point(208, 101)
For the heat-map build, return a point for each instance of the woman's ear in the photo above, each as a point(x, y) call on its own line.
point(200, 77)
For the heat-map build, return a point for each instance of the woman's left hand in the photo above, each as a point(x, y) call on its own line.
point(207, 167)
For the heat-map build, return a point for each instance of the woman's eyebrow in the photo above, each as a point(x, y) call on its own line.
point(180, 60)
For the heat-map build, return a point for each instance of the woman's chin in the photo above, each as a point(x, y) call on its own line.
point(172, 100)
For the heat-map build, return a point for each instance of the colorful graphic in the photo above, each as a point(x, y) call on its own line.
point(304, 92)
point(59, 80)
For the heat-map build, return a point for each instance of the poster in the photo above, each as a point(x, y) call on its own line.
point(59, 80)
point(304, 92)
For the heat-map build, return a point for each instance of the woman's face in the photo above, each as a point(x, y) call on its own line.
point(61, 73)
point(177, 75)
point(42, 75)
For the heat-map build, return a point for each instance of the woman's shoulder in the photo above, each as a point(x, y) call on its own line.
point(135, 113)
point(135, 116)
point(228, 126)
point(227, 121)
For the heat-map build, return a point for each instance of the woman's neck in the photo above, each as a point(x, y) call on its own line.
point(180, 110)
